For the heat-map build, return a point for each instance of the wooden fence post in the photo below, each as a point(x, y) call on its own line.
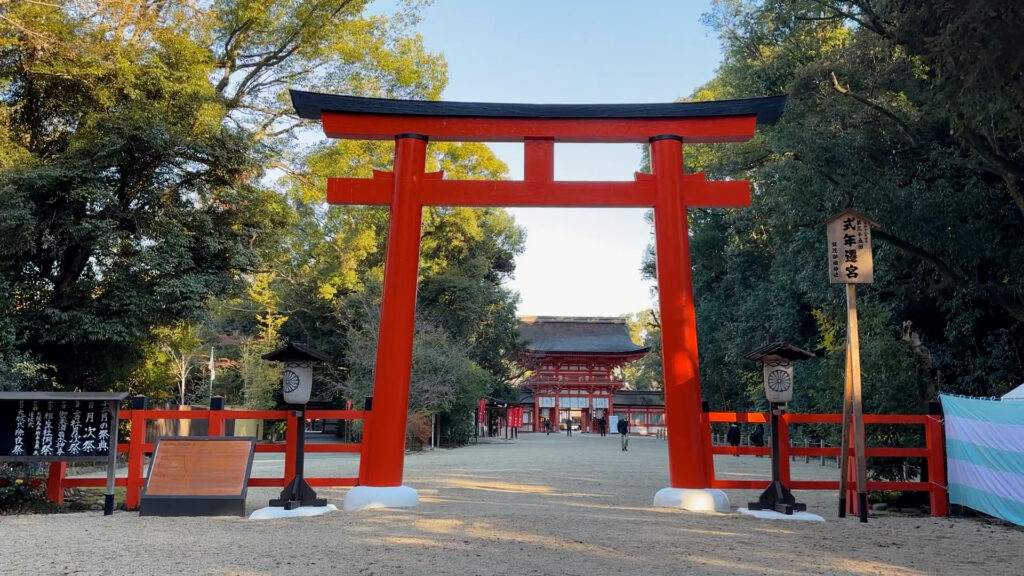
point(938, 497)
point(216, 422)
point(55, 482)
point(783, 433)
point(133, 484)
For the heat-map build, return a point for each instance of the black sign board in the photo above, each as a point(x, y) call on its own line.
point(37, 428)
point(61, 426)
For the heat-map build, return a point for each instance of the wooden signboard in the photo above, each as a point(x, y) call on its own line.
point(849, 249)
point(198, 476)
point(850, 262)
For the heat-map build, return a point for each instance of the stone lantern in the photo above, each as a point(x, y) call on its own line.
point(297, 385)
point(777, 360)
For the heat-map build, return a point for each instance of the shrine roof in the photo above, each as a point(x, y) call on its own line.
point(638, 398)
point(311, 105)
point(576, 335)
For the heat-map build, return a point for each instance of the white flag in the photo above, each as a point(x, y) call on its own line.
point(213, 372)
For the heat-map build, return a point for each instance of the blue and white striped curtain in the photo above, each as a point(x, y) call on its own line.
point(985, 455)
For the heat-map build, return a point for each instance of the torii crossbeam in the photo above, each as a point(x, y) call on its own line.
point(667, 190)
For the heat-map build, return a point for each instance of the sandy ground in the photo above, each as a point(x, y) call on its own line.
point(536, 505)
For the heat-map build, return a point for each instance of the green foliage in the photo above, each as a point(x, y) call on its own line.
point(133, 143)
point(870, 126)
point(646, 373)
point(21, 493)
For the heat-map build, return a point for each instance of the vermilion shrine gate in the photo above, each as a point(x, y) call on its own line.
point(667, 190)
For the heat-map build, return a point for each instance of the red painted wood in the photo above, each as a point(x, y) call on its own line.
point(783, 432)
point(938, 497)
point(700, 193)
point(291, 442)
point(398, 315)
point(752, 417)
point(133, 487)
point(687, 465)
point(593, 130)
point(539, 159)
point(55, 480)
point(216, 425)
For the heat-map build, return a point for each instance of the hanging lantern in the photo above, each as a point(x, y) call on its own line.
point(297, 382)
point(778, 381)
point(297, 377)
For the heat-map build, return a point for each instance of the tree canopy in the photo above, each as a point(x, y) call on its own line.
point(910, 114)
point(160, 198)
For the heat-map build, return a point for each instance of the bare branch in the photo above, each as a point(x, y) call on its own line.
point(876, 107)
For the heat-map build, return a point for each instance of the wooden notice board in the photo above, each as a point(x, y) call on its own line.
point(198, 476)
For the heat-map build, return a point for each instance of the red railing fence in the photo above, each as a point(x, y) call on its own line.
point(932, 451)
point(137, 448)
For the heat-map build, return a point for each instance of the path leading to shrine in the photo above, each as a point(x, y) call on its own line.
point(534, 506)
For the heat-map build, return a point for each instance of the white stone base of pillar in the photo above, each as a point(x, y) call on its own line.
point(694, 499)
point(363, 497)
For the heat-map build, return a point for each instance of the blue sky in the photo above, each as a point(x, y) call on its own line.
point(578, 262)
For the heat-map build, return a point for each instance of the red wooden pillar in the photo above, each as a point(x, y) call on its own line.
point(784, 468)
point(386, 438)
point(938, 499)
point(687, 465)
point(293, 427)
point(133, 484)
point(55, 481)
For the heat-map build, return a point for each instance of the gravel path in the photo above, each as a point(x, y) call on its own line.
point(536, 505)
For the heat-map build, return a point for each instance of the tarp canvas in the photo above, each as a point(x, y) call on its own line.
point(1015, 394)
point(985, 455)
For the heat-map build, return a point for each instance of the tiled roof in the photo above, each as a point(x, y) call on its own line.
point(551, 334)
point(639, 398)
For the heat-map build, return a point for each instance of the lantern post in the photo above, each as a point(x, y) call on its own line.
point(777, 360)
point(297, 384)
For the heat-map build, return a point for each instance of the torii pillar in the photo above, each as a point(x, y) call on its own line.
point(667, 190)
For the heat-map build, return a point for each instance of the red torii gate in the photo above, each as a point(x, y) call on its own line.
point(406, 190)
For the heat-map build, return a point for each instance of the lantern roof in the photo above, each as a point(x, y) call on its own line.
point(295, 352)
point(778, 351)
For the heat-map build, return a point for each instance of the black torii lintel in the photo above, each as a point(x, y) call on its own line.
point(310, 105)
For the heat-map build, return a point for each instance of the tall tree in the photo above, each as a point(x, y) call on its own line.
point(134, 140)
point(873, 123)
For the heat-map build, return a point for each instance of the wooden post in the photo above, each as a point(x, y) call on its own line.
point(858, 413)
point(133, 484)
point(55, 480)
point(938, 498)
point(397, 318)
point(784, 454)
point(844, 443)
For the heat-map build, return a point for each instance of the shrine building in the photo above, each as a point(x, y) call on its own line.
point(574, 375)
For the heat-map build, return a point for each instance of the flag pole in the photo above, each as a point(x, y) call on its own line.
point(213, 375)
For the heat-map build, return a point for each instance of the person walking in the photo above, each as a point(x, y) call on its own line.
point(623, 428)
point(602, 426)
point(733, 437)
point(568, 426)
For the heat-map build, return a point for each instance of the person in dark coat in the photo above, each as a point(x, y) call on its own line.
point(733, 436)
point(623, 428)
point(757, 437)
point(602, 426)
